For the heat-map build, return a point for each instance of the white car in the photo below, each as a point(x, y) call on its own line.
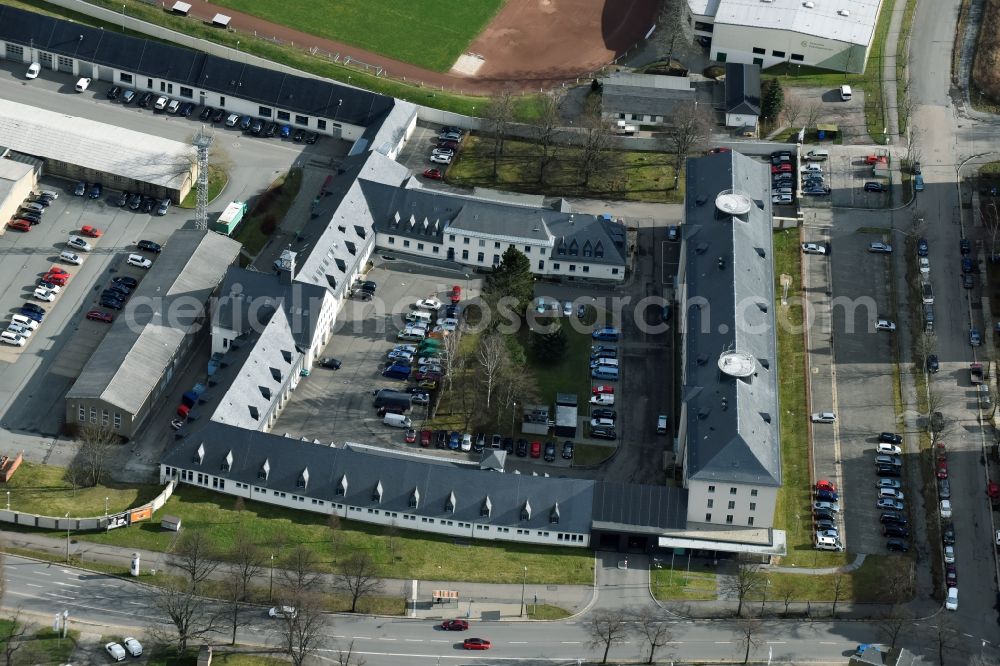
point(24, 322)
point(890, 493)
point(889, 449)
point(78, 243)
point(826, 506)
point(429, 304)
point(567, 309)
point(282, 611)
point(16, 329)
point(812, 168)
point(885, 325)
point(603, 399)
point(946, 508)
point(813, 248)
point(782, 199)
point(132, 646)
point(949, 554)
point(161, 103)
point(951, 602)
point(9, 338)
point(45, 295)
point(115, 651)
point(824, 417)
point(33, 71)
point(82, 84)
point(925, 265)
point(466, 442)
point(832, 534)
point(174, 106)
point(441, 159)
point(232, 119)
point(138, 260)
point(443, 151)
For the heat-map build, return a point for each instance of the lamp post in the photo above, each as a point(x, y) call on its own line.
point(106, 506)
point(524, 580)
point(8, 500)
point(123, 17)
point(67, 537)
point(767, 582)
point(270, 587)
point(513, 411)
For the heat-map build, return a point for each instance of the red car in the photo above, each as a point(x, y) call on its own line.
point(536, 449)
point(951, 576)
point(448, 143)
point(603, 388)
point(100, 315)
point(57, 269)
point(454, 625)
point(476, 644)
point(942, 469)
point(58, 279)
point(826, 485)
point(411, 436)
point(784, 167)
point(425, 438)
point(721, 150)
point(20, 225)
point(456, 294)
point(91, 232)
point(433, 174)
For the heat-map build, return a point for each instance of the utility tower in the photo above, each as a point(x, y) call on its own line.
point(202, 141)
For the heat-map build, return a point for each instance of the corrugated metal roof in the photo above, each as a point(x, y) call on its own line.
point(823, 19)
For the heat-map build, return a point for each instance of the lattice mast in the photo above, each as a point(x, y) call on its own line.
point(202, 142)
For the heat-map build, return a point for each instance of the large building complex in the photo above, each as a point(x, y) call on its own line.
point(835, 35)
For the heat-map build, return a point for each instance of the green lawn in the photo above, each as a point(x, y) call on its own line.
point(165, 657)
point(429, 33)
point(571, 374)
point(681, 585)
point(591, 454)
point(46, 647)
point(412, 554)
point(628, 175)
point(544, 612)
point(269, 209)
point(217, 179)
point(43, 489)
point(792, 510)
point(863, 585)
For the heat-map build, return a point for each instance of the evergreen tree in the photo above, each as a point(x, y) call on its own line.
point(512, 277)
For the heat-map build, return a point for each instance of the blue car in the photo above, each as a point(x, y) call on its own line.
point(966, 265)
point(607, 333)
point(922, 247)
point(454, 441)
point(95, 191)
point(245, 123)
point(286, 131)
point(32, 314)
point(826, 495)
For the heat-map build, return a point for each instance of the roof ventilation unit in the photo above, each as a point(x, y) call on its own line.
point(737, 364)
point(733, 202)
point(844, 12)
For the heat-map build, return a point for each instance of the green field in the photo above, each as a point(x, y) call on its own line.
point(429, 33)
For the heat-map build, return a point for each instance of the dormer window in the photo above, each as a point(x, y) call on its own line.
point(415, 498)
point(199, 455)
point(342, 486)
point(227, 463)
point(303, 480)
point(486, 508)
point(449, 504)
point(264, 471)
point(554, 514)
point(526, 511)
point(377, 493)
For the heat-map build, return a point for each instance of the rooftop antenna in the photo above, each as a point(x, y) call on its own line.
point(202, 142)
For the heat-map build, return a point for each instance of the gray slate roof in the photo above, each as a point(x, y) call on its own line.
point(742, 88)
point(146, 57)
point(732, 424)
point(643, 508)
point(126, 366)
point(398, 476)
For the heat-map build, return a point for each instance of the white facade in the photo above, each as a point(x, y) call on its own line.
point(726, 503)
point(741, 120)
point(440, 526)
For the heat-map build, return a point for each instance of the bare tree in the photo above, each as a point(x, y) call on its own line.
point(747, 580)
point(892, 623)
point(194, 554)
point(688, 128)
point(246, 561)
point(838, 589)
point(674, 28)
point(944, 637)
point(299, 573)
point(748, 628)
point(784, 591)
point(346, 656)
point(499, 114)
point(654, 631)
point(333, 522)
point(451, 359)
point(189, 613)
point(607, 628)
point(356, 577)
point(96, 447)
point(392, 540)
point(812, 112)
point(548, 126)
point(492, 357)
point(11, 636)
point(793, 109)
point(303, 627)
point(597, 139)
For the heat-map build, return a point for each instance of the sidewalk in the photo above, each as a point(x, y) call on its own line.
point(891, 104)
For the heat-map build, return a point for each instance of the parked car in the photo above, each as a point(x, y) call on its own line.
point(813, 248)
point(115, 651)
point(567, 450)
point(872, 186)
point(522, 448)
point(885, 325)
point(455, 625)
point(897, 545)
point(890, 438)
point(885, 503)
point(880, 248)
point(893, 517)
point(139, 261)
point(433, 174)
point(34, 69)
point(550, 451)
point(888, 483)
point(824, 417)
point(922, 248)
point(149, 246)
point(964, 246)
point(100, 315)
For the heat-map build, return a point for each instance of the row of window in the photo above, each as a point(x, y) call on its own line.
point(640, 118)
point(191, 476)
point(106, 417)
point(729, 519)
point(481, 256)
point(779, 54)
point(732, 490)
point(732, 505)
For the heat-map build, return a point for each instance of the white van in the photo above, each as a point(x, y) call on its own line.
point(951, 603)
point(661, 424)
point(828, 543)
point(419, 316)
point(605, 362)
point(11, 338)
point(845, 93)
point(818, 155)
point(397, 421)
point(82, 84)
point(70, 257)
point(411, 334)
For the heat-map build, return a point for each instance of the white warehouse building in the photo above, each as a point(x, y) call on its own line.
point(830, 34)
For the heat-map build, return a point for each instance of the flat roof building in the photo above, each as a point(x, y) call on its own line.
point(649, 99)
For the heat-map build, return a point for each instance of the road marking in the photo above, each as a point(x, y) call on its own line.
point(775, 642)
point(136, 603)
point(967, 635)
point(438, 640)
point(66, 584)
point(723, 642)
point(517, 642)
point(41, 573)
point(385, 638)
point(362, 638)
point(32, 585)
point(60, 596)
point(570, 642)
point(413, 640)
point(827, 643)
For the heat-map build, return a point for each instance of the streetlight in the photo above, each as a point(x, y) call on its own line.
point(524, 580)
point(106, 506)
point(513, 411)
point(8, 500)
point(767, 581)
point(67, 537)
point(123, 17)
point(270, 589)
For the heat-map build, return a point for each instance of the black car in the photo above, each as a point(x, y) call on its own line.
point(964, 246)
point(149, 246)
point(550, 452)
point(944, 488)
point(42, 201)
point(872, 186)
point(823, 514)
point(312, 137)
point(270, 129)
point(368, 286)
point(508, 445)
point(122, 199)
point(890, 438)
point(187, 108)
point(522, 448)
point(95, 191)
point(893, 530)
point(33, 218)
point(80, 188)
point(114, 93)
point(441, 439)
point(33, 307)
point(148, 204)
point(948, 535)
point(601, 432)
point(897, 545)
point(206, 113)
point(129, 282)
point(567, 451)
point(969, 281)
point(825, 525)
point(218, 115)
point(113, 294)
point(299, 135)
point(603, 414)
point(479, 443)
point(120, 289)
point(892, 517)
point(112, 303)
point(331, 363)
point(145, 100)
point(256, 127)
point(134, 201)
point(245, 122)
point(451, 311)
point(932, 364)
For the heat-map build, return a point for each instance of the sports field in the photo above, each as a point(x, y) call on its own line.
point(428, 33)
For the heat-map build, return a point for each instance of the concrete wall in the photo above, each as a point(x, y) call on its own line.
point(18, 190)
point(701, 494)
point(737, 42)
point(61, 523)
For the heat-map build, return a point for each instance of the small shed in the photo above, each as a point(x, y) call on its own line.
point(221, 21)
point(230, 218)
point(567, 415)
point(181, 8)
point(172, 523)
point(536, 419)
